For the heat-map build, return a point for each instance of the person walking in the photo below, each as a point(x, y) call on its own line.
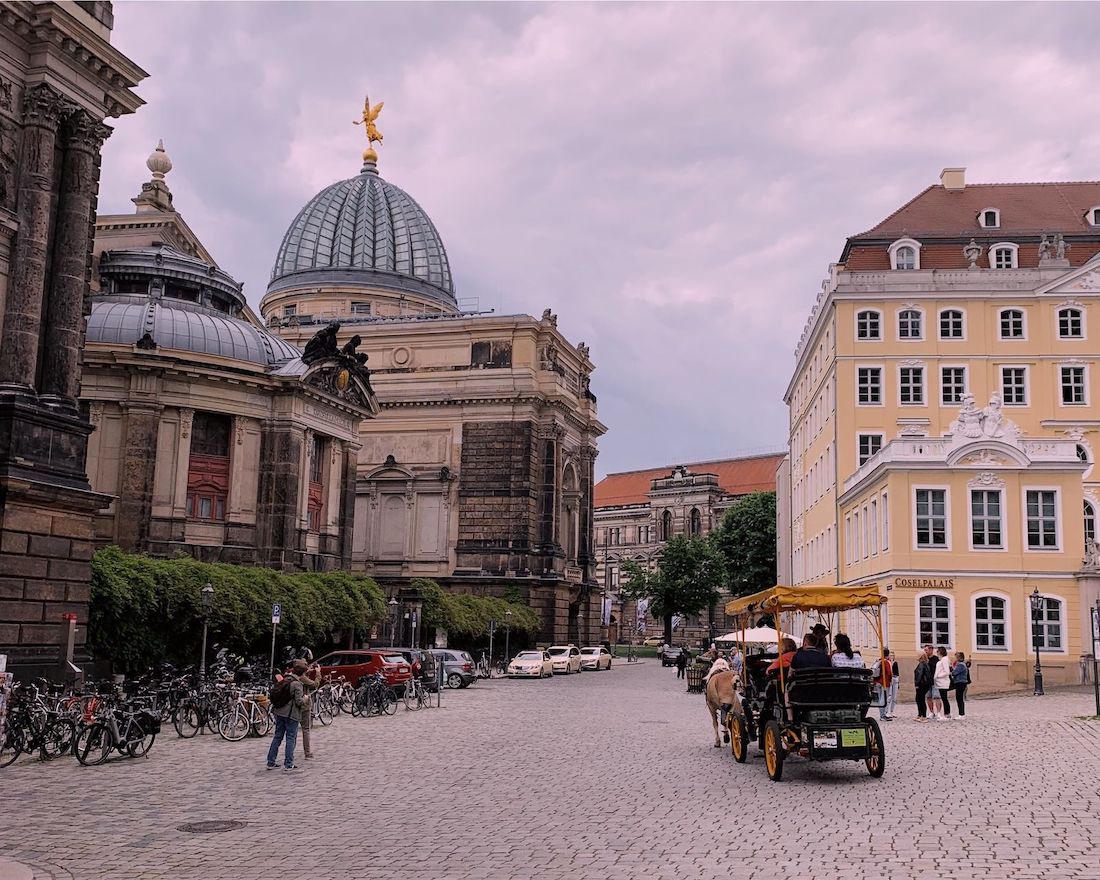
point(681, 663)
point(895, 683)
point(311, 680)
point(960, 680)
point(922, 681)
point(287, 698)
point(942, 680)
point(882, 673)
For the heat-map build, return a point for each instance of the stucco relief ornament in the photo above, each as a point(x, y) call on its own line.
point(986, 478)
point(1044, 249)
point(968, 423)
point(1060, 247)
point(340, 371)
point(994, 423)
point(1090, 281)
point(1092, 556)
point(972, 251)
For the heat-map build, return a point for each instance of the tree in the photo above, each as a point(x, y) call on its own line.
point(745, 540)
point(685, 581)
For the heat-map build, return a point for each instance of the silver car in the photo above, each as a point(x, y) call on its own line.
point(458, 667)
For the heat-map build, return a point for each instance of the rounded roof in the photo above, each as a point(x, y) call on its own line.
point(183, 326)
point(364, 231)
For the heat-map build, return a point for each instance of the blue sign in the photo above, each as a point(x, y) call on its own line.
point(276, 612)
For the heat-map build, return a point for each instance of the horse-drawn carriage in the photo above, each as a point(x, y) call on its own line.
point(816, 713)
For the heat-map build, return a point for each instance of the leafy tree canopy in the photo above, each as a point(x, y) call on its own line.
point(745, 541)
point(686, 580)
point(465, 615)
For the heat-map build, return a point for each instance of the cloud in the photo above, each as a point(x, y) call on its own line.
point(673, 179)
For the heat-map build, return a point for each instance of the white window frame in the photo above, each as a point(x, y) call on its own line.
point(884, 506)
point(1000, 246)
point(1000, 324)
point(921, 317)
point(1092, 216)
point(923, 385)
point(939, 325)
point(1063, 625)
point(859, 451)
point(947, 525)
point(950, 618)
point(848, 539)
point(857, 544)
point(1088, 511)
point(1027, 384)
point(1004, 597)
point(966, 383)
point(1084, 384)
point(881, 383)
point(996, 218)
point(1081, 313)
point(903, 243)
point(878, 314)
point(874, 525)
point(970, 519)
point(1058, 518)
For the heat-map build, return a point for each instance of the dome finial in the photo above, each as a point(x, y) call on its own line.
point(158, 162)
point(367, 119)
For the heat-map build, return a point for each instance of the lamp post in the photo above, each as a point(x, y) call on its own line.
point(1037, 603)
point(507, 633)
point(207, 606)
point(393, 619)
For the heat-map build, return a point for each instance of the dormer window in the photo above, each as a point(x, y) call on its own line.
point(905, 254)
point(1092, 216)
point(1003, 256)
point(989, 218)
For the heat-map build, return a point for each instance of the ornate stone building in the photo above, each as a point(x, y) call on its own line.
point(212, 436)
point(637, 512)
point(59, 79)
point(478, 471)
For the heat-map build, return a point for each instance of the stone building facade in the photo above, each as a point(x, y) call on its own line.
point(943, 425)
point(637, 512)
point(59, 79)
point(478, 470)
point(212, 437)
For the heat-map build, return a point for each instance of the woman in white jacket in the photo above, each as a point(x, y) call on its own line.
point(942, 680)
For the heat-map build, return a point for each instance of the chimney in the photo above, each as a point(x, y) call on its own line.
point(953, 179)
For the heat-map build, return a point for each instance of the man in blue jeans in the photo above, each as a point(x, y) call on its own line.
point(286, 719)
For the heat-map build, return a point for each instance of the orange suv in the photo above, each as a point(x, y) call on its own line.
point(355, 665)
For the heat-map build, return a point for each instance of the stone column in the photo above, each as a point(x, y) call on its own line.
point(135, 494)
point(42, 109)
point(60, 377)
point(347, 524)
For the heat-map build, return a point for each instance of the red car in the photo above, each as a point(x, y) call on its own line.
point(354, 665)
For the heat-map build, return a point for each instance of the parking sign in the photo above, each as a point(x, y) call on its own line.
point(276, 612)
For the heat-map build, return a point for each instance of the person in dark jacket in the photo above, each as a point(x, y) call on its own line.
point(286, 719)
point(682, 662)
point(810, 655)
point(922, 680)
point(960, 680)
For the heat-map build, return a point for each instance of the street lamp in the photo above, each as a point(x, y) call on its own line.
point(393, 620)
point(507, 633)
point(1037, 603)
point(207, 595)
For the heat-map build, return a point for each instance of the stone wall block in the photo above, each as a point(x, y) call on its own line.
point(78, 592)
point(30, 612)
point(45, 634)
point(45, 591)
point(22, 566)
point(22, 519)
point(81, 550)
point(72, 527)
point(11, 588)
point(66, 570)
point(14, 543)
point(52, 547)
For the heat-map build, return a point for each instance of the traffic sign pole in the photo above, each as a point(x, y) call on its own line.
point(1096, 655)
point(276, 616)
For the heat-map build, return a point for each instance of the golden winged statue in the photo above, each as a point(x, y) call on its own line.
point(370, 114)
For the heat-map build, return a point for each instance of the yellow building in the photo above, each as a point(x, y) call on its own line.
point(943, 416)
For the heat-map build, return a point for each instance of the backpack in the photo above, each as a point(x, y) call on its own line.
point(280, 693)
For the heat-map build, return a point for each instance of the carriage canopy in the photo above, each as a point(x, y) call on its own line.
point(808, 597)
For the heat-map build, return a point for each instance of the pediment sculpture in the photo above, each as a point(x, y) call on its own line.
point(338, 370)
point(990, 422)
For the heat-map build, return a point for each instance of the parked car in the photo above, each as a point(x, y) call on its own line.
point(566, 658)
point(458, 667)
point(531, 664)
point(668, 655)
point(423, 664)
point(653, 642)
point(595, 658)
point(354, 665)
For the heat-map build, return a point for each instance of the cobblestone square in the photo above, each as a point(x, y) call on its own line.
point(604, 775)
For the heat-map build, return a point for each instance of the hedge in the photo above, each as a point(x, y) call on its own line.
point(144, 610)
point(461, 614)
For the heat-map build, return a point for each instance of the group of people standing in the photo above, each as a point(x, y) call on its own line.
point(936, 675)
point(291, 706)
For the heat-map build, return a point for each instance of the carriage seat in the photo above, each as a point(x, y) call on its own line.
point(829, 687)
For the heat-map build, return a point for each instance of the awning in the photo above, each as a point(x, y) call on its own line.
point(809, 597)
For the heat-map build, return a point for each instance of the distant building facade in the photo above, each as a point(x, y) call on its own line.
point(637, 512)
point(943, 425)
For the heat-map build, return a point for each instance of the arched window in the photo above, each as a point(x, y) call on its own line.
point(934, 620)
point(1003, 256)
point(989, 218)
point(1092, 216)
point(696, 522)
point(1048, 627)
point(869, 324)
point(952, 324)
point(1012, 324)
point(666, 525)
point(905, 254)
point(909, 324)
point(990, 623)
point(1071, 324)
point(1090, 522)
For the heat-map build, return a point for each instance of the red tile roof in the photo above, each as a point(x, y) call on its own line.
point(1026, 209)
point(736, 476)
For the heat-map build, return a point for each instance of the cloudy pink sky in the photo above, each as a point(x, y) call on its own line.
point(673, 180)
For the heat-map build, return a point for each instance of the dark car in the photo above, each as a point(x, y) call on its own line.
point(355, 665)
point(423, 665)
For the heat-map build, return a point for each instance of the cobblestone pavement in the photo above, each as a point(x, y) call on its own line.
point(606, 776)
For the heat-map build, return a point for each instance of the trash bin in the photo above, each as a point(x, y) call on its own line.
point(695, 679)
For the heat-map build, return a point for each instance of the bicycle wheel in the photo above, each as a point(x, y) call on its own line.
point(389, 701)
point(57, 740)
point(140, 740)
point(263, 722)
point(12, 746)
point(234, 724)
point(187, 719)
point(411, 698)
point(94, 744)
